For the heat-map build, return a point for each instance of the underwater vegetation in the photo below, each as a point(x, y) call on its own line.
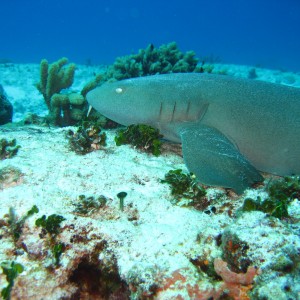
point(11, 270)
point(281, 193)
point(50, 224)
point(16, 224)
point(184, 186)
point(87, 138)
point(8, 149)
point(143, 137)
point(87, 205)
point(57, 250)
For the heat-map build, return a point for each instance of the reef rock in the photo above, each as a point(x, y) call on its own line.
point(6, 109)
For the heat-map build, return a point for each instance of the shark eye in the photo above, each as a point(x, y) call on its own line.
point(119, 90)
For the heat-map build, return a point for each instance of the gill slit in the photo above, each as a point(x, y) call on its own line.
point(202, 111)
point(188, 110)
point(160, 111)
point(173, 113)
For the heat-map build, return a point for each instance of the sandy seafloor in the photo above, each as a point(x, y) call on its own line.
point(153, 249)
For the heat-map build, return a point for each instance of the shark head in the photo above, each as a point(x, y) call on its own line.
point(123, 101)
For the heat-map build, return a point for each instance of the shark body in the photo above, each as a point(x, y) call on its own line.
point(230, 128)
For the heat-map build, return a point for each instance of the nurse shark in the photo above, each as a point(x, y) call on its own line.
point(230, 128)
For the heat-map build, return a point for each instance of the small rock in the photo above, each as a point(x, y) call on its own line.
point(6, 109)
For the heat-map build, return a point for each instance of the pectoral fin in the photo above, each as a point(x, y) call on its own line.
point(215, 160)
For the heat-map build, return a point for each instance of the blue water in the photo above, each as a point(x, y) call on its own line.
point(254, 32)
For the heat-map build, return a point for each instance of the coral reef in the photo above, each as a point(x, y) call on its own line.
point(64, 109)
point(100, 78)
point(165, 59)
point(54, 78)
point(67, 109)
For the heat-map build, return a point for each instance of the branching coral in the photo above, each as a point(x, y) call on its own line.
point(165, 59)
point(64, 109)
point(92, 84)
point(54, 78)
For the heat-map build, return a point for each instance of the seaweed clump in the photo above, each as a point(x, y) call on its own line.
point(11, 270)
point(8, 149)
point(150, 61)
point(87, 205)
point(281, 194)
point(142, 136)
point(87, 138)
point(16, 224)
point(184, 186)
point(51, 226)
